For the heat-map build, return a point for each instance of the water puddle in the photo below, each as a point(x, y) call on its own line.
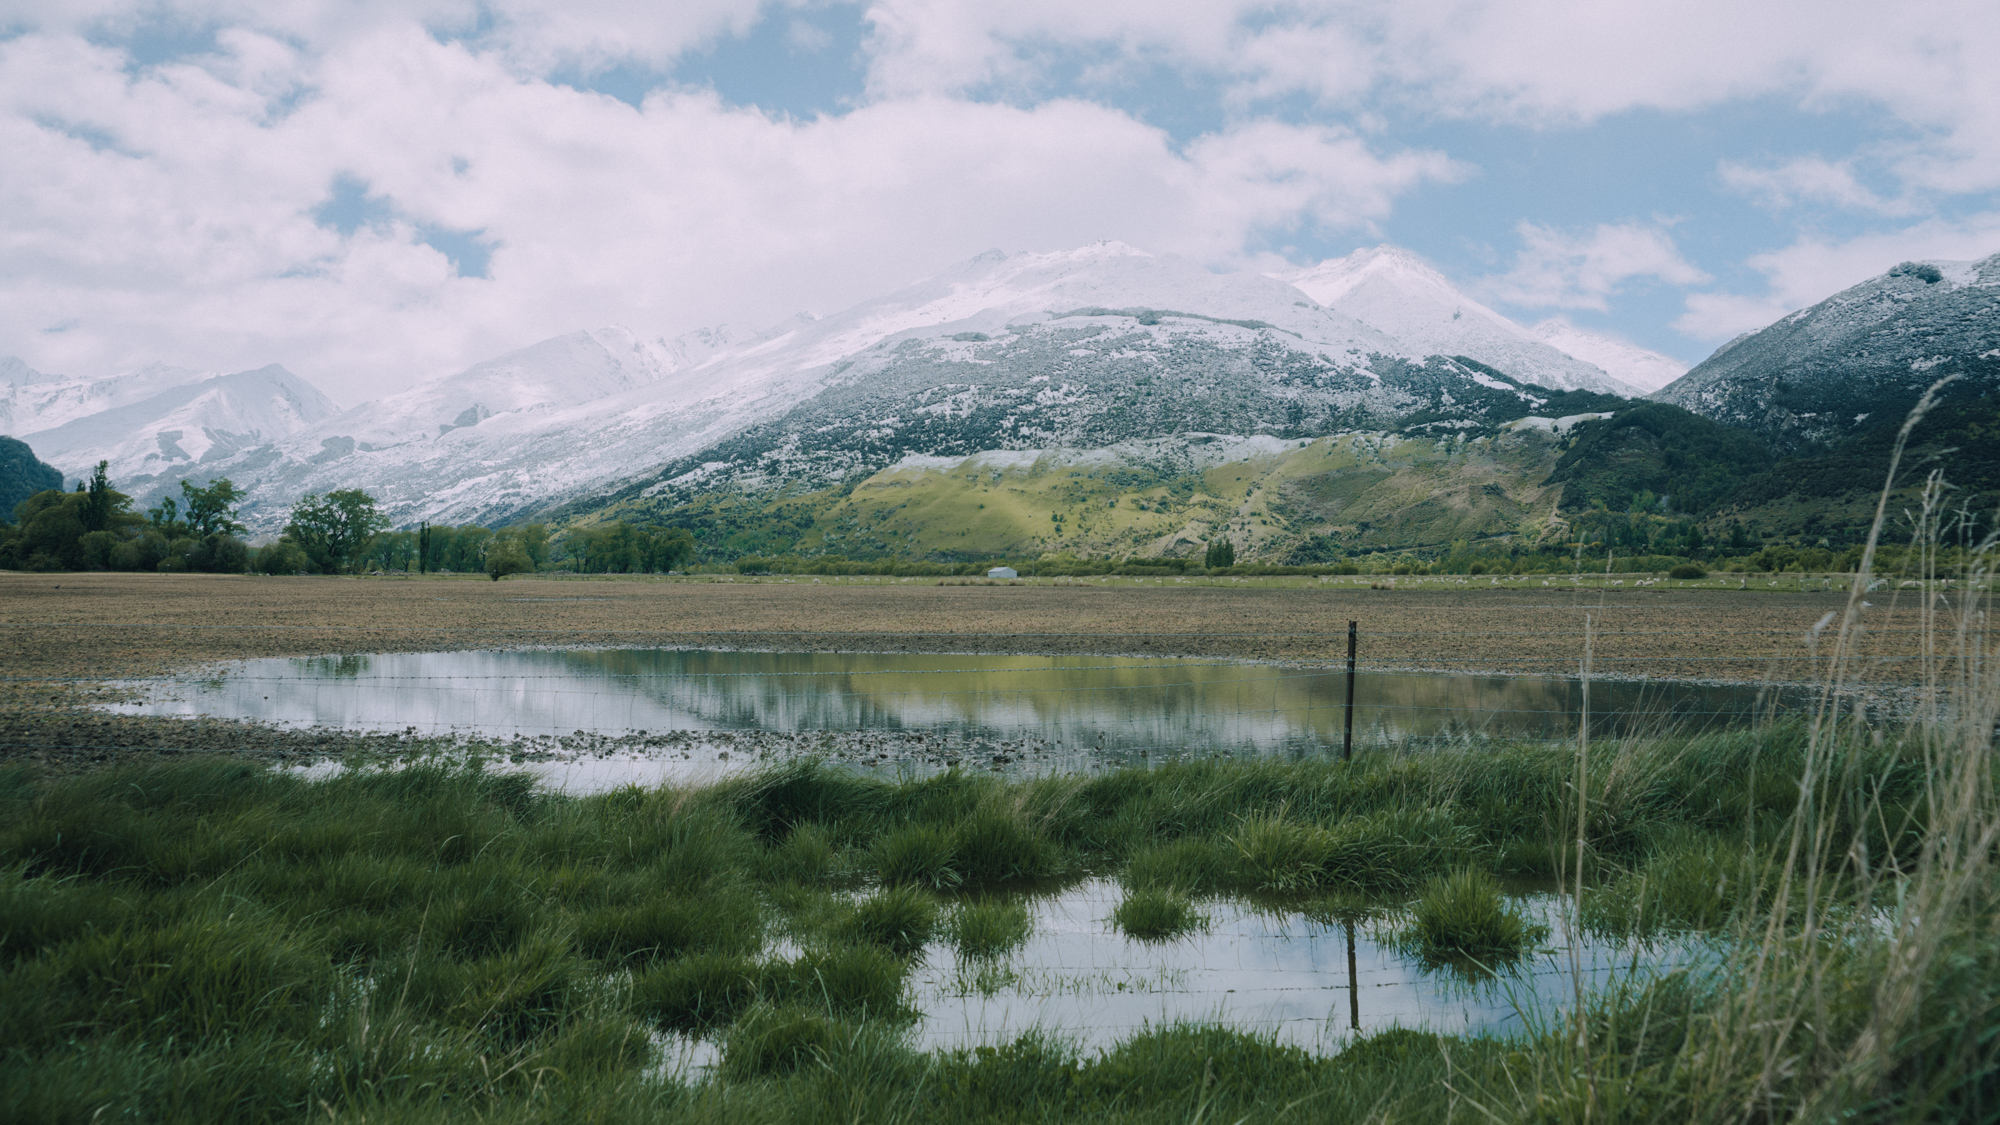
point(1310, 982)
point(687, 710)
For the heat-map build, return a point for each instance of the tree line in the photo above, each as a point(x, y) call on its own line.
point(95, 527)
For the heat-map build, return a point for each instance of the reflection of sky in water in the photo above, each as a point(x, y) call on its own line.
point(1258, 970)
point(1120, 703)
point(1279, 973)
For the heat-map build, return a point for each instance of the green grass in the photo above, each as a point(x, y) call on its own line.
point(206, 941)
point(988, 927)
point(899, 919)
point(1462, 917)
point(1156, 915)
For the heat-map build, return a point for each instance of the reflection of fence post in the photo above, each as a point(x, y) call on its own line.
point(1353, 980)
point(1347, 738)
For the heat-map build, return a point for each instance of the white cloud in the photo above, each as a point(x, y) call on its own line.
point(1927, 63)
point(1554, 269)
point(171, 214)
point(1813, 269)
point(1808, 179)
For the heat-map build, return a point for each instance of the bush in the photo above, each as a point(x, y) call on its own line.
point(507, 557)
point(283, 557)
point(1688, 570)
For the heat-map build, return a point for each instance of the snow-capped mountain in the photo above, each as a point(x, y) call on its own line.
point(173, 432)
point(553, 375)
point(1391, 290)
point(1094, 345)
point(32, 401)
point(1822, 372)
point(1628, 363)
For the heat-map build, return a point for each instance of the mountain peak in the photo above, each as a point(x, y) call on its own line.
point(1331, 280)
point(1394, 291)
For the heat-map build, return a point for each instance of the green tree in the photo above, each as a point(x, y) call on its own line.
point(211, 508)
point(1221, 552)
point(100, 501)
point(333, 529)
point(505, 557)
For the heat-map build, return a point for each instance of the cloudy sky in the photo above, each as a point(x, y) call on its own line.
point(380, 191)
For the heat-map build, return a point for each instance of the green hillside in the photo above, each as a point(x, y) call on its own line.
point(1358, 491)
point(1644, 477)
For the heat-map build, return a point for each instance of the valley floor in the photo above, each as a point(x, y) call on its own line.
point(106, 625)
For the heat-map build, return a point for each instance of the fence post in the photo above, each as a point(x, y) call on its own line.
point(1353, 980)
point(1347, 738)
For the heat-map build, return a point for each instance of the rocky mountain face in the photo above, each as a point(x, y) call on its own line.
point(1829, 372)
point(1086, 347)
point(1016, 353)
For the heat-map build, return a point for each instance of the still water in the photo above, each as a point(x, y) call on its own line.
point(1278, 971)
point(1115, 709)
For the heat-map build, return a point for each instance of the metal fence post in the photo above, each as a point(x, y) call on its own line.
point(1347, 738)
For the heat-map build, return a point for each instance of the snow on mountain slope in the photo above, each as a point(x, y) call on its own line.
point(1628, 363)
point(175, 430)
point(1390, 290)
point(552, 375)
point(1822, 372)
point(523, 432)
point(31, 401)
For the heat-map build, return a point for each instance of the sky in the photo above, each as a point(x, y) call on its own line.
point(379, 192)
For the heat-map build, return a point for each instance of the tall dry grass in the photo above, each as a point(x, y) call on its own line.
point(1862, 981)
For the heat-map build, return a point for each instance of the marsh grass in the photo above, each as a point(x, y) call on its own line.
point(207, 941)
point(988, 927)
point(1462, 919)
point(899, 919)
point(1157, 914)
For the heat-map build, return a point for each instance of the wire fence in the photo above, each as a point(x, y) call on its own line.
point(951, 709)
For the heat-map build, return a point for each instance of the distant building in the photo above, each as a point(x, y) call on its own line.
point(1002, 572)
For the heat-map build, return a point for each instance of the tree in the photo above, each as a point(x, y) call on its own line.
point(505, 557)
point(1221, 552)
point(211, 508)
point(332, 529)
point(100, 502)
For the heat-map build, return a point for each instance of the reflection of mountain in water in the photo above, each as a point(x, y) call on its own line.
point(1114, 702)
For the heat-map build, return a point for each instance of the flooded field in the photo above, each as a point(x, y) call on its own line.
point(1309, 980)
point(687, 710)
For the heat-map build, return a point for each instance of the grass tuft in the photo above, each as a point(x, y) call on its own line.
point(989, 927)
point(899, 919)
point(1464, 917)
point(918, 854)
point(1156, 915)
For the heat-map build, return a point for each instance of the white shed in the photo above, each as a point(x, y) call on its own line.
point(1002, 572)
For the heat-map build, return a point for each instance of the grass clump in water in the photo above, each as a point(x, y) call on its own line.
point(917, 854)
point(1156, 914)
point(1462, 917)
point(899, 919)
point(769, 1041)
point(989, 927)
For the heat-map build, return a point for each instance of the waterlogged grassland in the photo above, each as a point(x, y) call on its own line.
point(210, 941)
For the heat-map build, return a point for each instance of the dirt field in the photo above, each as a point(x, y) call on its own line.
point(63, 633)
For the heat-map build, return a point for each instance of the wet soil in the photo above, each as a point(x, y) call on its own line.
point(66, 635)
